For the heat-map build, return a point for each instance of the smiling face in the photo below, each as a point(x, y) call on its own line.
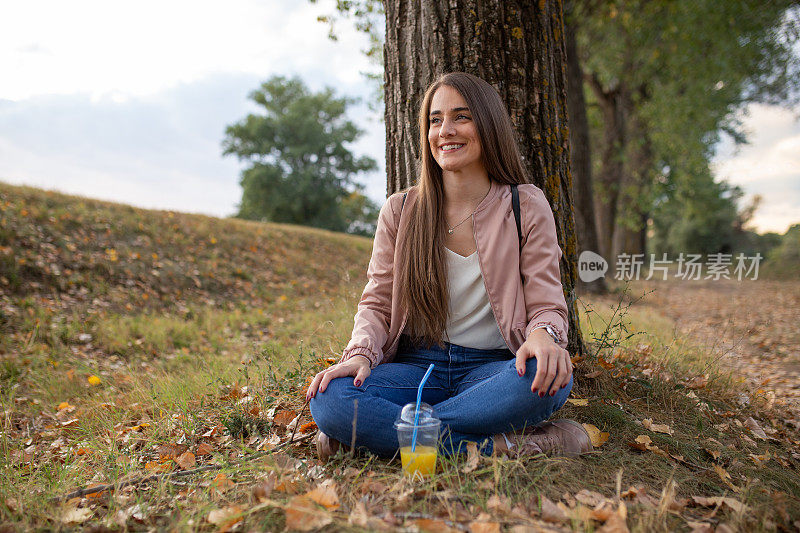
point(452, 134)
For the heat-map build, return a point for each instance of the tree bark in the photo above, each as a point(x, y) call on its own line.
point(580, 159)
point(518, 47)
point(636, 182)
point(612, 106)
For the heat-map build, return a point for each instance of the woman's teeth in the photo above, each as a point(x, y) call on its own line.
point(451, 147)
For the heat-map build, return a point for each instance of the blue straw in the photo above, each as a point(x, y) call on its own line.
point(419, 401)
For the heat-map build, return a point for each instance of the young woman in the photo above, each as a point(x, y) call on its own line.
point(451, 283)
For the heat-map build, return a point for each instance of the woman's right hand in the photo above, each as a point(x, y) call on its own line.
point(357, 366)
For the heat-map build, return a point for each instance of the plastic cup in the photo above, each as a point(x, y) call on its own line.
point(419, 460)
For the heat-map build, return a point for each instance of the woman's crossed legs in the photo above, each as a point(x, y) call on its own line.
point(473, 398)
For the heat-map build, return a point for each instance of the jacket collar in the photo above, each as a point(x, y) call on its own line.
point(495, 190)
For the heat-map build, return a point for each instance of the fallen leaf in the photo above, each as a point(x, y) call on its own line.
point(303, 514)
point(597, 437)
point(221, 483)
point(484, 527)
point(263, 489)
point(226, 518)
point(473, 457)
point(325, 494)
point(499, 505)
point(590, 497)
point(760, 460)
point(186, 460)
point(698, 383)
point(431, 525)
point(714, 501)
point(755, 429)
point(76, 516)
point(204, 448)
point(361, 518)
point(551, 512)
point(158, 466)
point(283, 418)
point(657, 428)
point(578, 402)
point(617, 521)
point(713, 453)
point(700, 527)
point(93, 380)
point(308, 427)
point(171, 451)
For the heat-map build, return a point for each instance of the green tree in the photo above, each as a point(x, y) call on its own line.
point(783, 261)
point(301, 170)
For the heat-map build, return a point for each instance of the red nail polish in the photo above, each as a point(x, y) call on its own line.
point(535, 389)
point(519, 372)
point(564, 385)
point(552, 393)
point(541, 394)
point(358, 383)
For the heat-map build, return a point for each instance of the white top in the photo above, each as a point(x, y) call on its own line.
point(472, 322)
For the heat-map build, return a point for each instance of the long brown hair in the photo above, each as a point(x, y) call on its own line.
point(423, 267)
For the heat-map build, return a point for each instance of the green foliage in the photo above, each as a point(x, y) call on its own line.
point(684, 69)
point(301, 170)
point(698, 218)
point(783, 261)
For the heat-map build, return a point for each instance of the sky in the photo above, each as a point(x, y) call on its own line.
point(131, 105)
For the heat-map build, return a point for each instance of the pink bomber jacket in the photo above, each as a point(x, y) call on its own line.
point(518, 307)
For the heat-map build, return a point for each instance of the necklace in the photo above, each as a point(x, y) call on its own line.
point(450, 230)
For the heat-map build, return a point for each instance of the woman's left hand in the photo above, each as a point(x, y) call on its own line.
point(552, 361)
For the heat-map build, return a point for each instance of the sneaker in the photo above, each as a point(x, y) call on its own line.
point(562, 437)
point(327, 447)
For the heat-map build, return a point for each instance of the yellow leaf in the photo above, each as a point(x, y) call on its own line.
point(656, 428)
point(484, 524)
point(579, 402)
point(93, 380)
point(325, 494)
point(598, 437)
point(431, 525)
point(226, 518)
point(303, 514)
point(715, 501)
point(473, 457)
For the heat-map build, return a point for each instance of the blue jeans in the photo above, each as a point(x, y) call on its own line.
point(475, 393)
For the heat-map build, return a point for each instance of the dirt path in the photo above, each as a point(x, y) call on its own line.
point(752, 325)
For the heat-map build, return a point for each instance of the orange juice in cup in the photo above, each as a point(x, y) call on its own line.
point(422, 460)
point(418, 456)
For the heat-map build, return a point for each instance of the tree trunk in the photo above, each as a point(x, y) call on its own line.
point(630, 236)
point(580, 158)
point(518, 47)
point(612, 106)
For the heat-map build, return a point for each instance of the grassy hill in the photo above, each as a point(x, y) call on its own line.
point(137, 343)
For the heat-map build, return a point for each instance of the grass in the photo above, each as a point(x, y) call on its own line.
point(203, 333)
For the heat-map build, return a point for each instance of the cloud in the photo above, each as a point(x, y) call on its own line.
point(131, 105)
point(769, 165)
point(159, 151)
point(113, 48)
